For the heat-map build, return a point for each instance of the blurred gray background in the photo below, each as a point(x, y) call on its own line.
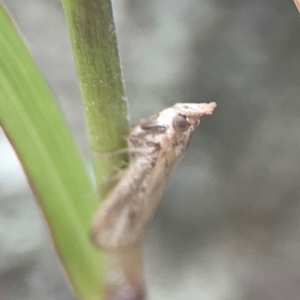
point(229, 225)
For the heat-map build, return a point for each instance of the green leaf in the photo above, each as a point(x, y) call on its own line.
point(33, 123)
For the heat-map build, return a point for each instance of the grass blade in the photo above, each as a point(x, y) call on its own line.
point(38, 132)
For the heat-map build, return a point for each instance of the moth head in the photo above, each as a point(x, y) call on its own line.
point(190, 114)
point(178, 122)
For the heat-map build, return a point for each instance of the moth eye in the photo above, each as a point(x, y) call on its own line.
point(180, 123)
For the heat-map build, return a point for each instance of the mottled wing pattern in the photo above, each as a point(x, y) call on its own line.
point(115, 224)
point(141, 209)
point(156, 186)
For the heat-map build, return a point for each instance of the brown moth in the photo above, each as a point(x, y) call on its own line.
point(156, 145)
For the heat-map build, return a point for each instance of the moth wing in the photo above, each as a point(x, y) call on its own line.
point(156, 185)
point(116, 223)
point(141, 208)
point(122, 219)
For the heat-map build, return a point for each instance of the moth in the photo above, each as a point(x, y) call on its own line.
point(155, 144)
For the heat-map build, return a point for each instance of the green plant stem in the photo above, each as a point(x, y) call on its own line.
point(94, 43)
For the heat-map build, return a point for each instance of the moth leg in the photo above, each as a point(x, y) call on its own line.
point(110, 154)
point(129, 150)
